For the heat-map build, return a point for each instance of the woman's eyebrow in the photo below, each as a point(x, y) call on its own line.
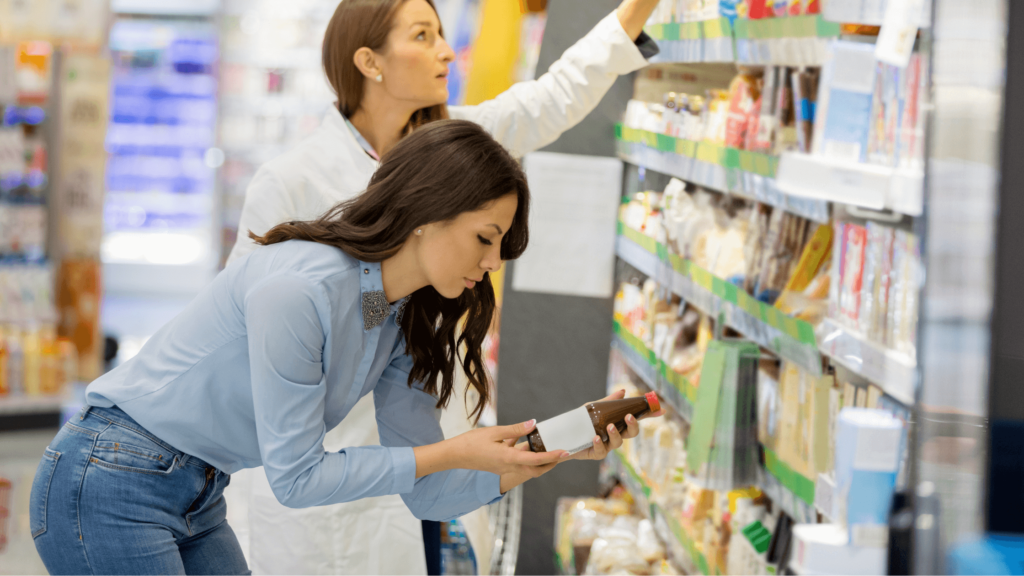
point(498, 228)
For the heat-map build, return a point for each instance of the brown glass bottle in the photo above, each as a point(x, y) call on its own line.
point(604, 413)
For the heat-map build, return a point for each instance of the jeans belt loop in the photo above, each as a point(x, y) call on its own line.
point(84, 412)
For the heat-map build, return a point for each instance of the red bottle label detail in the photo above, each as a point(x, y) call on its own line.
point(572, 431)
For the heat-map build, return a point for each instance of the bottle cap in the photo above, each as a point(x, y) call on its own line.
point(652, 401)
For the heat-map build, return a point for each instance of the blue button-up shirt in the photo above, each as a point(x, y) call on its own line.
point(272, 355)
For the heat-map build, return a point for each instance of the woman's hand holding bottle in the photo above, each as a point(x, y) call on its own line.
point(489, 449)
point(601, 449)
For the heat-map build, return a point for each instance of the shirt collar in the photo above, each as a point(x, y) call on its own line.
point(374, 303)
point(362, 141)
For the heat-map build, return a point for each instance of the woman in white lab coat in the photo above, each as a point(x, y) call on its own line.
point(388, 62)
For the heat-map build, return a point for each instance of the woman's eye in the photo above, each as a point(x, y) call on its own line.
point(484, 241)
point(421, 36)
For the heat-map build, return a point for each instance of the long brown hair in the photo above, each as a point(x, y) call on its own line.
point(355, 24)
point(441, 170)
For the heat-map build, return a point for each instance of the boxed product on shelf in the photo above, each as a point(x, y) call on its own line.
point(867, 461)
point(876, 283)
point(870, 111)
point(804, 439)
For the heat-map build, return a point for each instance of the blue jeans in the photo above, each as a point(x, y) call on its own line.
point(111, 498)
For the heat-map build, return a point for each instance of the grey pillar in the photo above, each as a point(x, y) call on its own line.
point(554, 349)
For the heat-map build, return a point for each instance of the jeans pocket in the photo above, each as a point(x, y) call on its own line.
point(128, 450)
point(41, 492)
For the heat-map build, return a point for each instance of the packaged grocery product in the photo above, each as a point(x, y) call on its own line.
point(616, 550)
point(767, 112)
point(743, 92)
point(5, 386)
point(909, 146)
point(716, 116)
point(848, 84)
point(867, 460)
point(78, 299)
point(883, 244)
point(853, 270)
point(815, 253)
point(648, 544)
point(769, 404)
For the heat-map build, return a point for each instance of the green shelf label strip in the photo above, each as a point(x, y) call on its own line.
point(798, 484)
point(724, 156)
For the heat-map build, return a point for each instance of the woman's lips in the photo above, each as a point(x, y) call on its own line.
point(469, 283)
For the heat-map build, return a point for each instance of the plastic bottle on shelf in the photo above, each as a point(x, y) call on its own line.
point(574, 430)
point(5, 385)
point(50, 373)
point(15, 360)
point(67, 363)
point(32, 360)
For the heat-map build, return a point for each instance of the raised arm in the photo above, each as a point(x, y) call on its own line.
point(531, 115)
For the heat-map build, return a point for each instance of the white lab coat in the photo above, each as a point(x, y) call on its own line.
point(380, 535)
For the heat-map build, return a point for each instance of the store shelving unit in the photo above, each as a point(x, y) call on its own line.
point(786, 337)
point(750, 175)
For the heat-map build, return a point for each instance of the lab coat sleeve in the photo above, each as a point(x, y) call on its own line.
point(285, 319)
point(267, 204)
point(531, 115)
point(407, 416)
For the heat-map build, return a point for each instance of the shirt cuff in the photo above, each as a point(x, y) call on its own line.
point(647, 46)
point(403, 465)
point(627, 55)
point(488, 488)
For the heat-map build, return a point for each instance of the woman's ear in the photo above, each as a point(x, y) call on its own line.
point(366, 61)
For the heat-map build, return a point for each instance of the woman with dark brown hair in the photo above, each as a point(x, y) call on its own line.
point(279, 349)
point(387, 61)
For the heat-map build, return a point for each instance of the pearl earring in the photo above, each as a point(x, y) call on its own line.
point(379, 78)
point(420, 232)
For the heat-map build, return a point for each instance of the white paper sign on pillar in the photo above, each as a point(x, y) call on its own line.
point(574, 208)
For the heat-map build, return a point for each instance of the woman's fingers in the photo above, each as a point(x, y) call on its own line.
point(614, 438)
point(632, 427)
point(527, 458)
point(514, 431)
point(617, 395)
point(598, 451)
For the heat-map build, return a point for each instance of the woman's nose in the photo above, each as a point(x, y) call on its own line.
point(492, 260)
point(446, 54)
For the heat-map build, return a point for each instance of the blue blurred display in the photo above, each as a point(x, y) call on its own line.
point(163, 117)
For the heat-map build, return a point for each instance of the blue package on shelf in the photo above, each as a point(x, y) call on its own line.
point(844, 101)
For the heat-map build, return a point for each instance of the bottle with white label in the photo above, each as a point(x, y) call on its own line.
point(574, 431)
